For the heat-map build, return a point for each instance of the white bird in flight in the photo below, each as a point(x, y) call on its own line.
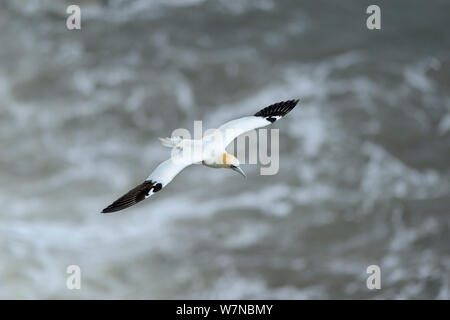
point(209, 151)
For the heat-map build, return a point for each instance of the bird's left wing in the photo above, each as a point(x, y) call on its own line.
point(157, 180)
point(232, 129)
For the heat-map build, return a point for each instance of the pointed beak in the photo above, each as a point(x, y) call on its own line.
point(239, 170)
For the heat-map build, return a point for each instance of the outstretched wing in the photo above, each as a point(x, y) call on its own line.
point(232, 129)
point(157, 180)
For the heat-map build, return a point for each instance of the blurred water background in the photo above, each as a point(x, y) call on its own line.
point(364, 161)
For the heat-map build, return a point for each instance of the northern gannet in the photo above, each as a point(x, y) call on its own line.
point(209, 151)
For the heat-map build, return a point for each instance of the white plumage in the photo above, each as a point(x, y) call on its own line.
point(209, 151)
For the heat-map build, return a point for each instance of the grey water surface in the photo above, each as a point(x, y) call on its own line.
point(364, 159)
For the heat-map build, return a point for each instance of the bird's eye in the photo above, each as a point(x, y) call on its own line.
point(232, 167)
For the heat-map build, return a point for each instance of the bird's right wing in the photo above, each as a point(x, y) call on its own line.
point(157, 180)
point(232, 129)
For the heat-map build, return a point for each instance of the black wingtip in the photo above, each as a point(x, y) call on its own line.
point(110, 209)
point(277, 110)
point(134, 196)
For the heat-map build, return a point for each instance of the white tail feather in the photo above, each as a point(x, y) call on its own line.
point(171, 142)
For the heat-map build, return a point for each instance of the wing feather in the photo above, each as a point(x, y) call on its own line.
point(157, 180)
point(234, 128)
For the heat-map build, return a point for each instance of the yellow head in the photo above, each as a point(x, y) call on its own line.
point(230, 161)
